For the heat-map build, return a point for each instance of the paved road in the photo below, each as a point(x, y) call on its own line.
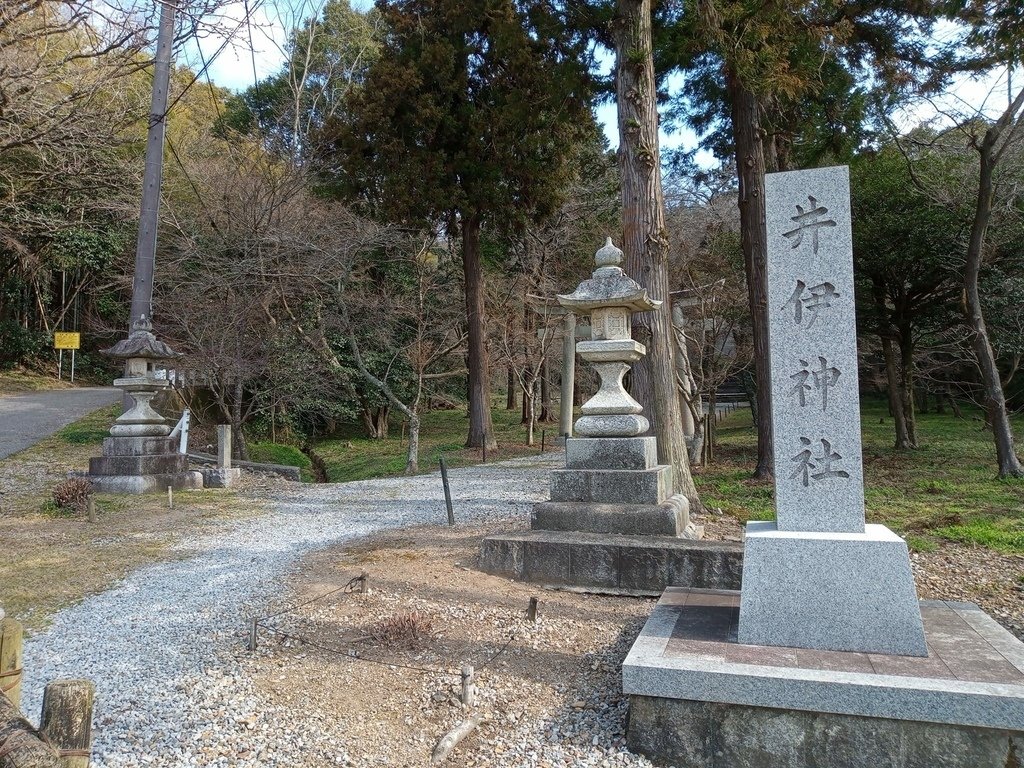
point(28, 417)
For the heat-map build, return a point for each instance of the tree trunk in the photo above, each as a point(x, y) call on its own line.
point(690, 400)
point(510, 388)
point(480, 426)
point(412, 461)
point(241, 449)
point(645, 242)
point(546, 413)
point(754, 242)
point(995, 399)
point(380, 421)
point(907, 385)
point(895, 398)
point(529, 400)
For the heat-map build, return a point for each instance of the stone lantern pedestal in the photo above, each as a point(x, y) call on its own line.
point(139, 457)
point(613, 522)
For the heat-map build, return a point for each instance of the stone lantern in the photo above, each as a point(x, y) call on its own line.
point(610, 297)
point(614, 522)
point(139, 457)
point(140, 353)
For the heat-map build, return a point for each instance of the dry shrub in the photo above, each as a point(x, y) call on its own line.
point(409, 630)
point(72, 494)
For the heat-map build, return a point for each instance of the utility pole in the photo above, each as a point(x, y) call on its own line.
point(145, 250)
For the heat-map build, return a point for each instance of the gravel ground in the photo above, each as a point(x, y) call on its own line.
point(162, 645)
point(176, 687)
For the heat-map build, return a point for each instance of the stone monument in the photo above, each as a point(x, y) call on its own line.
point(819, 577)
point(613, 522)
point(825, 656)
point(139, 457)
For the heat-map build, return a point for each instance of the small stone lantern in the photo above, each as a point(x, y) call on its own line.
point(610, 297)
point(140, 351)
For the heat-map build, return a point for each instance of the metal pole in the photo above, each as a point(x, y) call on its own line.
point(60, 364)
point(145, 250)
point(568, 374)
point(72, 366)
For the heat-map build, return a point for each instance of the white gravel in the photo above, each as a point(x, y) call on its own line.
point(162, 645)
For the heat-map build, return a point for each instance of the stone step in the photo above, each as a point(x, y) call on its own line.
point(611, 453)
point(670, 518)
point(139, 446)
point(168, 463)
point(180, 481)
point(613, 564)
point(612, 486)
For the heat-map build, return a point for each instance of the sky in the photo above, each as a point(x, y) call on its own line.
point(236, 64)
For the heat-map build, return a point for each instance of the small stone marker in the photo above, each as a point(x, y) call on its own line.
point(819, 577)
point(224, 446)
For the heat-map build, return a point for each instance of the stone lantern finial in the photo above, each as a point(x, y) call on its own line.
point(608, 255)
point(610, 297)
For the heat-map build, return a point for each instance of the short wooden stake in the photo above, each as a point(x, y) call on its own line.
point(66, 720)
point(447, 492)
point(364, 579)
point(468, 686)
point(531, 611)
point(90, 506)
point(11, 639)
point(170, 497)
point(543, 436)
point(254, 626)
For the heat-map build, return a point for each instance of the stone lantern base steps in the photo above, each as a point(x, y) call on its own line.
point(613, 525)
point(142, 465)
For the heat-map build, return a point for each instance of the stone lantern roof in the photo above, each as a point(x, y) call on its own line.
point(608, 287)
point(141, 344)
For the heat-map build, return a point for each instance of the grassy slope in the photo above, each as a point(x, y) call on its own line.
point(945, 490)
point(25, 380)
point(350, 456)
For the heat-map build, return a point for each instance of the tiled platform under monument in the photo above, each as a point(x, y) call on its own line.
point(690, 682)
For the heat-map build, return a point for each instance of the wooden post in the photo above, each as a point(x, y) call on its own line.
point(66, 720)
point(364, 579)
point(170, 497)
point(468, 686)
point(531, 611)
point(447, 491)
point(254, 625)
point(90, 505)
point(484, 448)
point(11, 638)
point(543, 437)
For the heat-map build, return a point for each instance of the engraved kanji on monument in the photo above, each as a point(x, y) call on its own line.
point(813, 346)
point(818, 577)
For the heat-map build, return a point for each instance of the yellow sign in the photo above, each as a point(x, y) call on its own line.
point(67, 340)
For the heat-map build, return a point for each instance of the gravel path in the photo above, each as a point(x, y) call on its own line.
point(162, 645)
point(28, 417)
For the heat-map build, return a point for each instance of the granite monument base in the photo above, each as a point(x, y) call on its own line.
point(700, 698)
point(829, 591)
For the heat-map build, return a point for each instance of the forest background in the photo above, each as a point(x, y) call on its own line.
point(376, 230)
